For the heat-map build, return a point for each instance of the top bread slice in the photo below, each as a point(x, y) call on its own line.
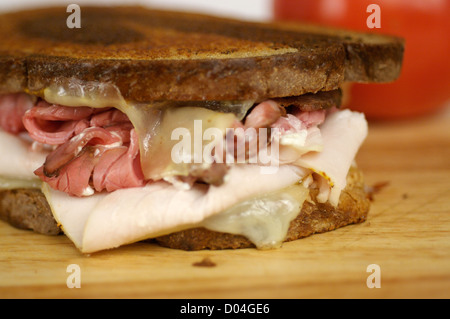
point(152, 55)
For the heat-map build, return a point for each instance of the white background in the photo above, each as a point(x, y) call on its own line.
point(241, 9)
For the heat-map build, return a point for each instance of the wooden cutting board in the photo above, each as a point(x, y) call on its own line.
point(407, 235)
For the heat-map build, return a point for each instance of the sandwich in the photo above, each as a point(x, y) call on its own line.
point(187, 130)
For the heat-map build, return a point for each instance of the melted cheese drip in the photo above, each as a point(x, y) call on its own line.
point(158, 143)
point(264, 220)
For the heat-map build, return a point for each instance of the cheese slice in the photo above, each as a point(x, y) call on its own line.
point(264, 220)
point(158, 143)
point(154, 122)
point(14, 183)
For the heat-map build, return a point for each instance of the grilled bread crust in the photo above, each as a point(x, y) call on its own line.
point(151, 55)
point(28, 209)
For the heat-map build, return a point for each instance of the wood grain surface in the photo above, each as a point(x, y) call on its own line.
point(407, 234)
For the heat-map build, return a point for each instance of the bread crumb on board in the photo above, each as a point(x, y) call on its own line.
point(205, 262)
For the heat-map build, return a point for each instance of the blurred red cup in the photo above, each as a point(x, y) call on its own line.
point(424, 84)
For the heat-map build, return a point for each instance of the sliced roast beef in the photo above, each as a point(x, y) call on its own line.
point(98, 149)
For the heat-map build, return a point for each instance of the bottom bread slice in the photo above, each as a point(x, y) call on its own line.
point(28, 209)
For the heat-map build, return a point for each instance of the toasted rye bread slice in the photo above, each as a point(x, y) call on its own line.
point(28, 209)
point(156, 55)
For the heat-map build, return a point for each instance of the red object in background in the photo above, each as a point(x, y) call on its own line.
point(424, 84)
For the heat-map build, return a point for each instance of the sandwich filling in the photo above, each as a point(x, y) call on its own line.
point(115, 172)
